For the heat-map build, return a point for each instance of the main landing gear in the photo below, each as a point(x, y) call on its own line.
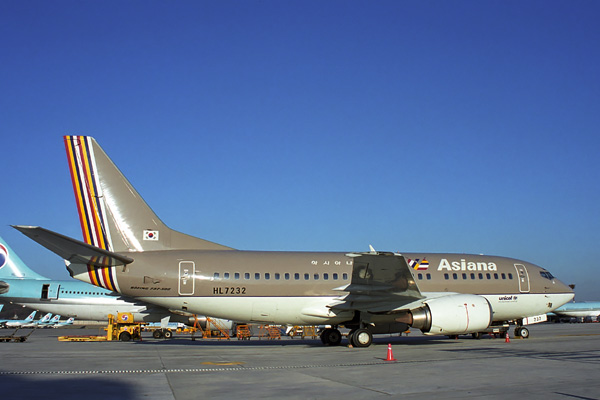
point(331, 337)
point(522, 332)
point(361, 337)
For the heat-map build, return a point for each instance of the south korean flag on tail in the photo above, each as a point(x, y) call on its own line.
point(151, 235)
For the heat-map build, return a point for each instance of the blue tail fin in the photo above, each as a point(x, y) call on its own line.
point(11, 266)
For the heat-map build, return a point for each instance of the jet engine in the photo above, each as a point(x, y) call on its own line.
point(451, 315)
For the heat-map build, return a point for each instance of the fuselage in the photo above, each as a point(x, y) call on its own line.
point(300, 287)
point(77, 299)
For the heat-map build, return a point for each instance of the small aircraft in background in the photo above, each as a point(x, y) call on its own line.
point(16, 323)
point(583, 310)
point(33, 324)
point(68, 322)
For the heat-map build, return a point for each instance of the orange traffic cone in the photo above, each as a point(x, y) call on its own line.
point(390, 355)
point(507, 339)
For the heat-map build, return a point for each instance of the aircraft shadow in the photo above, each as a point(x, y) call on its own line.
point(70, 387)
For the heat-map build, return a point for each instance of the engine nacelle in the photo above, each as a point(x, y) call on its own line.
point(453, 315)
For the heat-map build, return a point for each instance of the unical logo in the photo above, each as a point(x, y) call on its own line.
point(3, 255)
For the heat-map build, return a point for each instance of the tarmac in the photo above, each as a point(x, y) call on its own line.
point(558, 361)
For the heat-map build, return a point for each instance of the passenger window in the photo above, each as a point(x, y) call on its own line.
point(257, 275)
point(464, 276)
point(236, 276)
point(226, 275)
point(296, 276)
point(455, 276)
point(335, 276)
point(480, 275)
point(267, 275)
point(503, 275)
point(420, 276)
point(276, 275)
point(495, 276)
point(306, 277)
point(472, 276)
point(446, 276)
point(247, 275)
point(428, 276)
point(316, 276)
point(345, 276)
point(510, 276)
point(488, 276)
point(326, 276)
point(216, 275)
point(287, 276)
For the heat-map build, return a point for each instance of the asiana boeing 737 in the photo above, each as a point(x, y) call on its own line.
point(129, 250)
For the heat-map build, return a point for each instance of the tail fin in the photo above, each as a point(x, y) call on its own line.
point(113, 215)
point(45, 318)
point(30, 317)
point(11, 266)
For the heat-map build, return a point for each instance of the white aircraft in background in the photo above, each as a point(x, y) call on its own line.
point(579, 310)
point(30, 324)
point(68, 322)
point(50, 323)
point(16, 323)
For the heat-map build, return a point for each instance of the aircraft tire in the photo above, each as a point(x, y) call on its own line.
point(524, 332)
point(124, 336)
point(331, 337)
point(517, 332)
point(350, 336)
point(476, 335)
point(362, 338)
point(168, 334)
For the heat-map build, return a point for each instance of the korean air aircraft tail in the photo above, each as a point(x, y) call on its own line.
point(18, 323)
point(12, 267)
point(64, 323)
point(113, 215)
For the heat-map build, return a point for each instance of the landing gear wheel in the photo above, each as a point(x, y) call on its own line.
point(124, 337)
point(350, 336)
point(331, 337)
point(168, 334)
point(524, 332)
point(362, 338)
point(476, 335)
point(157, 334)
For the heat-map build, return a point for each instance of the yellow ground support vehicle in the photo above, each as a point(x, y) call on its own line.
point(123, 328)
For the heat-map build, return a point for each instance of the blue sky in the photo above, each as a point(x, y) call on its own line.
point(467, 127)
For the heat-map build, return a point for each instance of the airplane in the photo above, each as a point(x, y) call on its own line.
point(33, 324)
point(73, 298)
point(68, 322)
point(50, 323)
point(9, 323)
point(129, 250)
point(579, 310)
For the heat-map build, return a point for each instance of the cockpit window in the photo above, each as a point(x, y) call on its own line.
point(546, 275)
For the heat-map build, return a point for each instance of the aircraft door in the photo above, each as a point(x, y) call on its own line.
point(187, 271)
point(50, 291)
point(523, 278)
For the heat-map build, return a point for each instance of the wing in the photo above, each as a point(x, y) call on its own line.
point(381, 283)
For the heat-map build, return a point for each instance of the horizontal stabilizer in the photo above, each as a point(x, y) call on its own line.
point(72, 250)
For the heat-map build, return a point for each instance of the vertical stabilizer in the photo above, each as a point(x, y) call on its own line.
point(11, 266)
point(113, 215)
